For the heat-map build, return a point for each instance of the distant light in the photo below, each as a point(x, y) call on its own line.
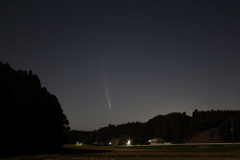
point(77, 142)
point(110, 143)
point(129, 142)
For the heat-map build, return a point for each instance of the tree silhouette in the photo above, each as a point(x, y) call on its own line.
point(33, 118)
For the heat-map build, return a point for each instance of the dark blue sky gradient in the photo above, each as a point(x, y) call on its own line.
point(142, 57)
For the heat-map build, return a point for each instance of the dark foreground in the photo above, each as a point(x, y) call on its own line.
point(182, 152)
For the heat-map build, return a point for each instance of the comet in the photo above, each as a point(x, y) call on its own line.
point(106, 86)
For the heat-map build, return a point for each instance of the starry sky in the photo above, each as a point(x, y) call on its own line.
point(119, 61)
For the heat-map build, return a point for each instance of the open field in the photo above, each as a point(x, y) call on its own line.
point(181, 152)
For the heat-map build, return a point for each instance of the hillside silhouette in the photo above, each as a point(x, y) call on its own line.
point(202, 127)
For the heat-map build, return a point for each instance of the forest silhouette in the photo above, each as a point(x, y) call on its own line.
point(213, 126)
point(31, 117)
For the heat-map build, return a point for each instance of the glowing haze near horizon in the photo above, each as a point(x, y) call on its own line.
point(113, 62)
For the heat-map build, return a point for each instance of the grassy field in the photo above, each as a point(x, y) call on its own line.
point(181, 152)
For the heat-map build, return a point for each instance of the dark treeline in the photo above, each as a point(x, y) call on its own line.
point(202, 126)
point(32, 118)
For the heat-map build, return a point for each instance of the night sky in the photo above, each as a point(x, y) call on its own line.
point(119, 61)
